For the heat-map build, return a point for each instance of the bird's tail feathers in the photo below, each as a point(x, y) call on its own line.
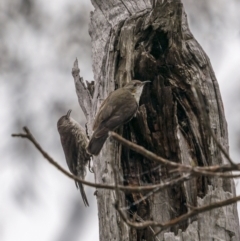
point(97, 140)
point(83, 194)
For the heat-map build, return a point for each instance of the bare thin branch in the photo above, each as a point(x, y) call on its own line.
point(171, 182)
point(28, 135)
point(195, 211)
point(206, 171)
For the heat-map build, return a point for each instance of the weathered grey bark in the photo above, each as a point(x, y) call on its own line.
point(132, 40)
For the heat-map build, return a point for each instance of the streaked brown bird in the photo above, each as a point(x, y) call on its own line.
point(117, 109)
point(74, 142)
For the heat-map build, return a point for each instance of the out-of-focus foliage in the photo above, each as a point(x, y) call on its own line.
point(39, 40)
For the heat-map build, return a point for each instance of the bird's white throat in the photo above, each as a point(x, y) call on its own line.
point(138, 93)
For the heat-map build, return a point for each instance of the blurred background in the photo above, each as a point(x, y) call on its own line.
point(39, 41)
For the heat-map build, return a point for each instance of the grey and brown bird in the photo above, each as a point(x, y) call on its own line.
point(74, 142)
point(117, 109)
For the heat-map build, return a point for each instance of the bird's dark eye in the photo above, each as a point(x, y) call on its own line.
point(135, 84)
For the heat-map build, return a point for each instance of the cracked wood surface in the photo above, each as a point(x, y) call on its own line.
point(132, 40)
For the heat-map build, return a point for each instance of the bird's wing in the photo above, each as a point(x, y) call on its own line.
point(115, 111)
point(71, 154)
point(99, 115)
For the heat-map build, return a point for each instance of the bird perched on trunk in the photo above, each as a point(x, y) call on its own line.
point(118, 108)
point(74, 142)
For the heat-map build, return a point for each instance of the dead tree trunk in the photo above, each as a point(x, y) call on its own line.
point(133, 40)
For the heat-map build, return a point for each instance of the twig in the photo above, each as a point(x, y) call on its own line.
point(198, 210)
point(30, 137)
point(193, 212)
point(206, 171)
point(145, 224)
point(148, 154)
point(141, 220)
point(172, 182)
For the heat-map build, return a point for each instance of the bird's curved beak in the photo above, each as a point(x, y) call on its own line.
point(145, 82)
point(68, 113)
